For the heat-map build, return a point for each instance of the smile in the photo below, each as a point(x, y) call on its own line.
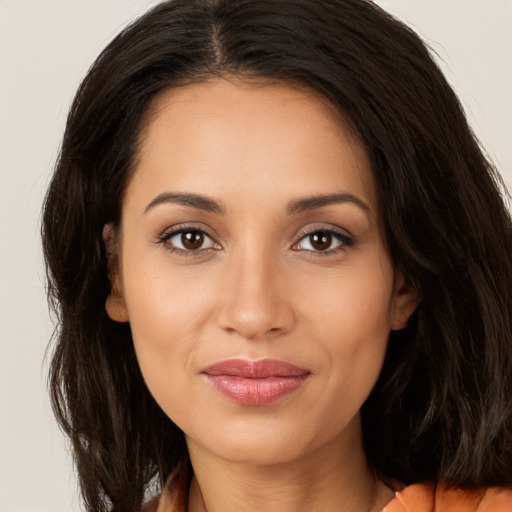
point(255, 383)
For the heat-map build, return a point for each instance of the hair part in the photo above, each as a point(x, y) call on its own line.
point(446, 385)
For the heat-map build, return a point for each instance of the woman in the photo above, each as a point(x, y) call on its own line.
point(282, 269)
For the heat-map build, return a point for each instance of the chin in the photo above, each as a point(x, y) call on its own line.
point(263, 442)
point(260, 453)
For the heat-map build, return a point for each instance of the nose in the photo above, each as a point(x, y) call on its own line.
point(255, 301)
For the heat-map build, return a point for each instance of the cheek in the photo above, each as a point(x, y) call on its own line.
point(164, 302)
point(352, 304)
point(350, 317)
point(354, 359)
point(167, 311)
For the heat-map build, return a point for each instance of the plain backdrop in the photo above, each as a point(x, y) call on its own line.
point(46, 46)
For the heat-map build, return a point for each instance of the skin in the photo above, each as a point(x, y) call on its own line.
point(258, 287)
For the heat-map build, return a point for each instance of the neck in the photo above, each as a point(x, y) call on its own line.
point(333, 477)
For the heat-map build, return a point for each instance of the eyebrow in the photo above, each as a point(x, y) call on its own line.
point(311, 203)
point(298, 206)
point(194, 200)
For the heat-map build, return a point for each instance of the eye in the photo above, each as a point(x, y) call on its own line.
point(325, 241)
point(188, 240)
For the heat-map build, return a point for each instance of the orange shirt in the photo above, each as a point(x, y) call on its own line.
point(423, 497)
point(428, 497)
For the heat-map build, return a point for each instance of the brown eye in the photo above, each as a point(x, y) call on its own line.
point(190, 240)
point(322, 241)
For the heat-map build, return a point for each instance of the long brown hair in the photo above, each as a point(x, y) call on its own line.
point(442, 408)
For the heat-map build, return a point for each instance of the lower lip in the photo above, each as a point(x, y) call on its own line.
point(255, 392)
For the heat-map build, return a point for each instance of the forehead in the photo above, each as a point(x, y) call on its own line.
point(221, 136)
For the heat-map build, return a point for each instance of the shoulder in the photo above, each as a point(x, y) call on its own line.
point(429, 497)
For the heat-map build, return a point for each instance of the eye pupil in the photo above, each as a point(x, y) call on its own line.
point(321, 241)
point(192, 240)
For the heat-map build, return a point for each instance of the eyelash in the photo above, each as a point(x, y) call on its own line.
point(345, 240)
point(164, 239)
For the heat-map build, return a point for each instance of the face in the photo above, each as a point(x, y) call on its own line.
point(253, 272)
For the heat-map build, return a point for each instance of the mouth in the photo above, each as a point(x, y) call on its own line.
point(255, 383)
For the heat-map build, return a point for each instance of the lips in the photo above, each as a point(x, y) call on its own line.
point(255, 383)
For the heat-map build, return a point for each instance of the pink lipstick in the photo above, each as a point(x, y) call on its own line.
point(255, 383)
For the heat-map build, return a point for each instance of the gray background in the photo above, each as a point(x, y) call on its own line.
point(46, 46)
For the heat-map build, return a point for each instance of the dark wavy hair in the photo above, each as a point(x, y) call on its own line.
point(442, 408)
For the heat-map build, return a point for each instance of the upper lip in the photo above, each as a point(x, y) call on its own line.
point(261, 369)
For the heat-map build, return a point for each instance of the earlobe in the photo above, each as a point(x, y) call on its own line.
point(115, 304)
point(116, 308)
point(406, 300)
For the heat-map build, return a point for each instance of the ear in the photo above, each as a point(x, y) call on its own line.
point(115, 304)
point(406, 299)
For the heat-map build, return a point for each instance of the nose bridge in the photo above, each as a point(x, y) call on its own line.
point(253, 300)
